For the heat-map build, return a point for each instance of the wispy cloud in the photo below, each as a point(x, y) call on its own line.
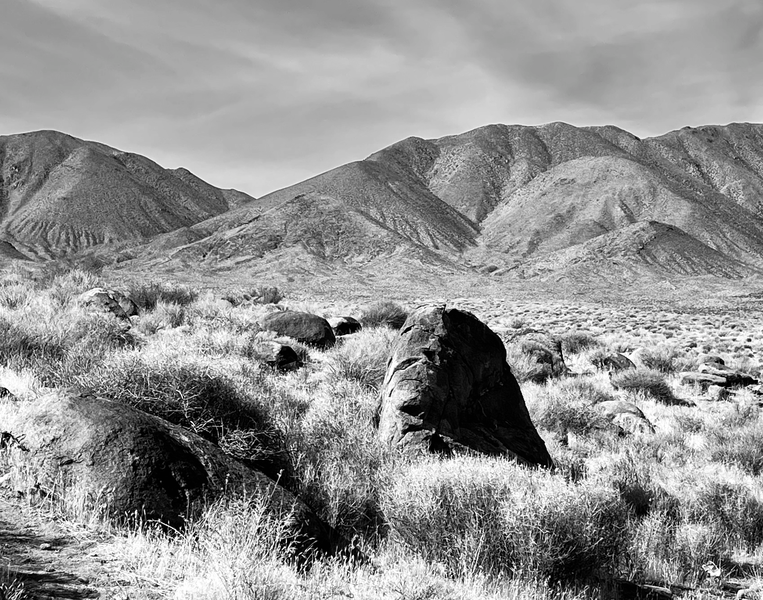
point(258, 95)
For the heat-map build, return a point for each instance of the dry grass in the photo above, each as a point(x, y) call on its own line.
point(648, 507)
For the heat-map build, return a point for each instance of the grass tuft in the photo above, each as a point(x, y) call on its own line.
point(384, 314)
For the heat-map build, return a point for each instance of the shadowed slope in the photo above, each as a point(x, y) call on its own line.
point(587, 197)
point(642, 247)
point(60, 195)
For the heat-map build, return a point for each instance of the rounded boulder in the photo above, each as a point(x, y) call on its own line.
point(304, 327)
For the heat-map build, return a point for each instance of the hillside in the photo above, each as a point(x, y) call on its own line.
point(510, 200)
point(60, 195)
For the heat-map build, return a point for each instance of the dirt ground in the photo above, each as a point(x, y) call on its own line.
point(52, 561)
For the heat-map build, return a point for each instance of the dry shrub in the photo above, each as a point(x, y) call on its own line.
point(523, 366)
point(263, 294)
point(340, 464)
point(148, 295)
point(494, 516)
point(577, 341)
point(650, 383)
point(362, 357)
point(568, 406)
point(384, 314)
point(663, 359)
point(190, 392)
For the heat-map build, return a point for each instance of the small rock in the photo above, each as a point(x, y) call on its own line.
point(704, 380)
point(615, 362)
point(344, 325)
point(110, 301)
point(625, 415)
point(46, 546)
point(710, 359)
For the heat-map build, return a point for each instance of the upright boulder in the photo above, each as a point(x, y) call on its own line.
point(303, 327)
point(448, 388)
point(140, 464)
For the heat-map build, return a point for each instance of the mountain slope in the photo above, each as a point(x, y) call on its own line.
point(60, 195)
point(647, 246)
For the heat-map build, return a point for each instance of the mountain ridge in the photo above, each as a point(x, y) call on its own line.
point(506, 199)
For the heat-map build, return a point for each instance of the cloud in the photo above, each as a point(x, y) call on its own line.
point(259, 95)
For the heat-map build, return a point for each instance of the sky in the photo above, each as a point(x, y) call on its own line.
point(260, 94)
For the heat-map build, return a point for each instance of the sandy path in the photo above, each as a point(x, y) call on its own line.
point(53, 562)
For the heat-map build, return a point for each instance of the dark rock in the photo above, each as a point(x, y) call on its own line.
point(110, 301)
point(718, 393)
point(344, 325)
point(614, 363)
point(448, 388)
point(710, 359)
point(139, 464)
point(625, 415)
point(303, 327)
point(704, 380)
point(278, 356)
point(733, 378)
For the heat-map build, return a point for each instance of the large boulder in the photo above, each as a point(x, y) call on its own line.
point(448, 388)
point(138, 464)
point(303, 327)
point(111, 301)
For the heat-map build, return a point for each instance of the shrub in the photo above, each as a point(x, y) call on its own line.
point(384, 314)
point(650, 383)
point(494, 516)
point(339, 459)
point(523, 366)
point(362, 357)
point(662, 359)
point(741, 446)
point(577, 341)
point(148, 295)
point(191, 393)
point(266, 295)
point(568, 406)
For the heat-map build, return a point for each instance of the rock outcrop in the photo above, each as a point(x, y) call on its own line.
point(448, 388)
point(303, 327)
point(138, 464)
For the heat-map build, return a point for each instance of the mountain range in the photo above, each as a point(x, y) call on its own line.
point(505, 200)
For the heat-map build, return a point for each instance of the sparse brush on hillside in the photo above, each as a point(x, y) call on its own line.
point(385, 313)
point(650, 383)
